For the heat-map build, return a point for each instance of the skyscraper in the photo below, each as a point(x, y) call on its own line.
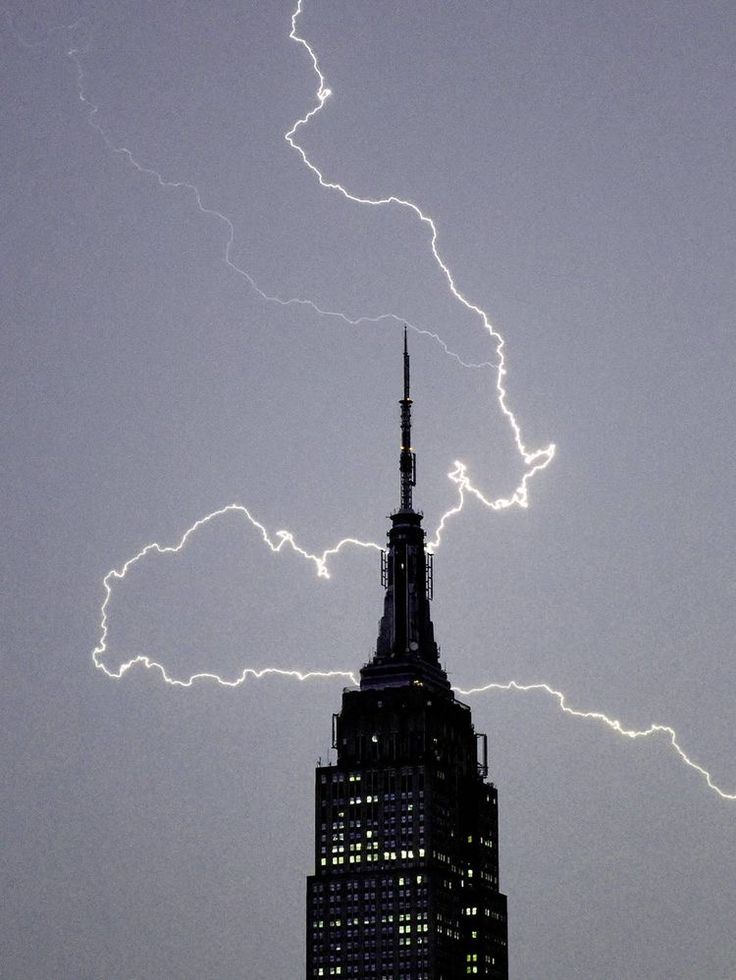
point(406, 837)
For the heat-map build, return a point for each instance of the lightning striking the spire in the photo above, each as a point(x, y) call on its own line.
point(393, 609)
point(534, 461)
point(254, 674)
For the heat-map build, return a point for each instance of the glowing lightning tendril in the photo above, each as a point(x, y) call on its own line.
point(534, 461)
point(613, 723)
point(286, 538)
point(283, 538)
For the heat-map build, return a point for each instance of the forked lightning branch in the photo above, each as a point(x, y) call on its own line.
point(533, 460)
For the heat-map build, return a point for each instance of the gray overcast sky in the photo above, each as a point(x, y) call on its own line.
point(577, 158)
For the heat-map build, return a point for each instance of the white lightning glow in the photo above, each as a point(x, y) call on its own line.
point(613, 723)
point(276, 544)
point(75, 55)
point(459, 476)
point(285, 539)
point(347, 675)
point(172, 184)
point(534, 460)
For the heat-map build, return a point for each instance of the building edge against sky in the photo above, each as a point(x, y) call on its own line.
point(406, 825)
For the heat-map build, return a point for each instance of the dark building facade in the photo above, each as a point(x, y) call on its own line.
point(406, 838)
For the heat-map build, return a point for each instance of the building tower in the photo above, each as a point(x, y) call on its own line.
point(406, 836)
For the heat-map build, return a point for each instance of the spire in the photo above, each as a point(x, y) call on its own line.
point(406, 651)
point(407, 460)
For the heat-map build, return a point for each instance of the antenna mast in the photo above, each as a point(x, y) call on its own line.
point(407, 460)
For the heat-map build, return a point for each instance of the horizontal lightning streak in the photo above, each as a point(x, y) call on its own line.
point(276, 545)
point(613, 723)
point(534, 461)
point(282, 538)
point(247, 672)
point(311, 675)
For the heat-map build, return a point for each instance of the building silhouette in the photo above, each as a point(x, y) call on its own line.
point(406, 825)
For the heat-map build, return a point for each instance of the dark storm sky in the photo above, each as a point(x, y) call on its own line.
point(577, 158)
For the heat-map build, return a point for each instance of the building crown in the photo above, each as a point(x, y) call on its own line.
point(406, 651)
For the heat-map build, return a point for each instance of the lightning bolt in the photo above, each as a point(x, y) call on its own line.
point(534, 460)
point(276, 544)
point(285, 539)
point(92, 112)
point(613, 723)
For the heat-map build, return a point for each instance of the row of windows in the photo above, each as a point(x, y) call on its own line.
point(387, 805)
point(370, 950)
point(387, 917)
point(333, 822)
point(370, 838)
point(398, 855)
point(395, 783)
point(380, 975)
point(370, 883)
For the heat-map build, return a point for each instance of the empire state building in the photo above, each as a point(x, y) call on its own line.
point(406, 824)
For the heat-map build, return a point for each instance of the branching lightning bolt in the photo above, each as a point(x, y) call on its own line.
point(613, 723)
point(75, 55)
point(276, 544)
point(534, 461)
